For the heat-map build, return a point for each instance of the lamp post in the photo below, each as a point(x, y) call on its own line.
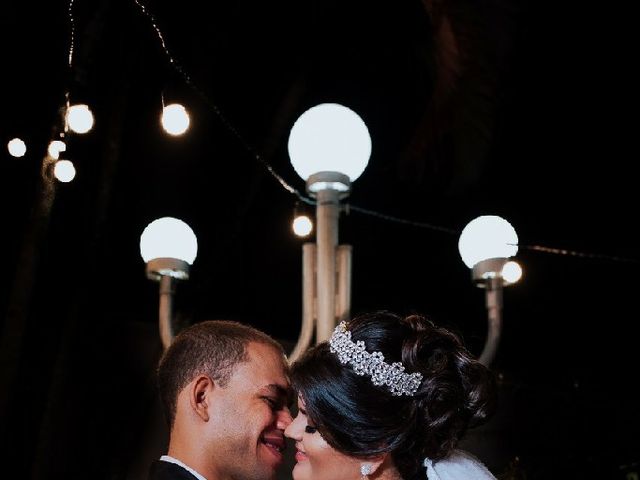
point(485, 245)
point(169, 247)
point(329, 147)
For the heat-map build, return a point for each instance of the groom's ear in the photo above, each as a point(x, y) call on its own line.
point(200, 396)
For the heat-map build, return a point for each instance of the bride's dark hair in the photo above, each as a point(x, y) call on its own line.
point(360, 419)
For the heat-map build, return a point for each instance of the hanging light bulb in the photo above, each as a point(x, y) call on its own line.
point(17, 148)
point(55, 148)
point(302, 225)
point(511, 272)
point(64, 171)
point(175, 119)
point(79, 118)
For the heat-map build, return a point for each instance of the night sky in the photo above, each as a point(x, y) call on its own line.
point(513, 108)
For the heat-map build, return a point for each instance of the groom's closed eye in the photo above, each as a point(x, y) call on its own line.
point(276, 396)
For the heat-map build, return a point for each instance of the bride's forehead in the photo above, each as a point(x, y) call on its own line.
point(302, 404)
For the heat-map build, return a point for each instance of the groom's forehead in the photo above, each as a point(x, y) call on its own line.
point(265, 369)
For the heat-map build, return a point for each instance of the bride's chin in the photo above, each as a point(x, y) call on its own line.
point(298, 473)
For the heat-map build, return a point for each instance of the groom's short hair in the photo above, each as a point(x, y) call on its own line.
point(211, 348)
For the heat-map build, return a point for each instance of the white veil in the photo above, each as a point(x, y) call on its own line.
point(459, 465)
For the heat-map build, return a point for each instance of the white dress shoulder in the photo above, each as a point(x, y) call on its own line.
point(460, 465)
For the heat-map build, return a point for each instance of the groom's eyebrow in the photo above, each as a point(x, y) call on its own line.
point(283, 393)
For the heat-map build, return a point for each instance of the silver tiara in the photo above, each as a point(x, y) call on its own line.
point(372, 364)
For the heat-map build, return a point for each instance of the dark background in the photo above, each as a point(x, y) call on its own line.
point(521, 109)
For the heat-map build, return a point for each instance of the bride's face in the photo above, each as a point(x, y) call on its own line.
point(315, 458)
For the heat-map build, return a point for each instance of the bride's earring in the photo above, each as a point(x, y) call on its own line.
point(365, 470)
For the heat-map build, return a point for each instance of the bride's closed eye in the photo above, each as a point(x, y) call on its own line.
point(308, 428)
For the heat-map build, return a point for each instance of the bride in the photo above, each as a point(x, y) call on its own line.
point(388, 398)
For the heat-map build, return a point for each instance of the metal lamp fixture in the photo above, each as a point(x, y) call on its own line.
point(329, 147)
point(169, 247)
point(485, 245)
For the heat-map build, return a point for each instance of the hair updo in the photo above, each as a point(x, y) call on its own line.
point(360, 419)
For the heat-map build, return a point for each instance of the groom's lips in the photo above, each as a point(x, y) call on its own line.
point(275, 444)
point(275, 441)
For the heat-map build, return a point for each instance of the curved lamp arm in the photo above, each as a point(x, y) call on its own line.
point(494, 318)
point(308, 298)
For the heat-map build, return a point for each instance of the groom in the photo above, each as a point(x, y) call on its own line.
point(225, 393)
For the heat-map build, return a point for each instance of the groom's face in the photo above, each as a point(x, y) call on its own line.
point(250, 414)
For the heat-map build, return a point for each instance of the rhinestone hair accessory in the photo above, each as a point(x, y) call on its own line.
point(372, 364)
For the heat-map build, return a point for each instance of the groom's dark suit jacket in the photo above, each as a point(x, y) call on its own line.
point(161, 470)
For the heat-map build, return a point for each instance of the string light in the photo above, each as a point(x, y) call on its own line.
point(218, 112)
point(71, 34)
point(64, 171)
point(302, 225)
point(175, 119)
point(79, 118)
point(511, 272)
point(391, 218)
point(574, 253)
point(17, 148)
point(55, 148)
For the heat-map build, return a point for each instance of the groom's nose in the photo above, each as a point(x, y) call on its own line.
point(284, 419)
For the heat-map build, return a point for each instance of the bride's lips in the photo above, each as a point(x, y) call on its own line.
point(301, 456)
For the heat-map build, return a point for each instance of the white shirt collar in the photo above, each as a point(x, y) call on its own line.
point(167, 458)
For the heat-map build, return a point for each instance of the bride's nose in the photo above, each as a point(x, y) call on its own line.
point(295, 429)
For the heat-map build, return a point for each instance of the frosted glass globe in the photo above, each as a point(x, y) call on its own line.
point(487, 236)
point(168, 237)
point(329, 138)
